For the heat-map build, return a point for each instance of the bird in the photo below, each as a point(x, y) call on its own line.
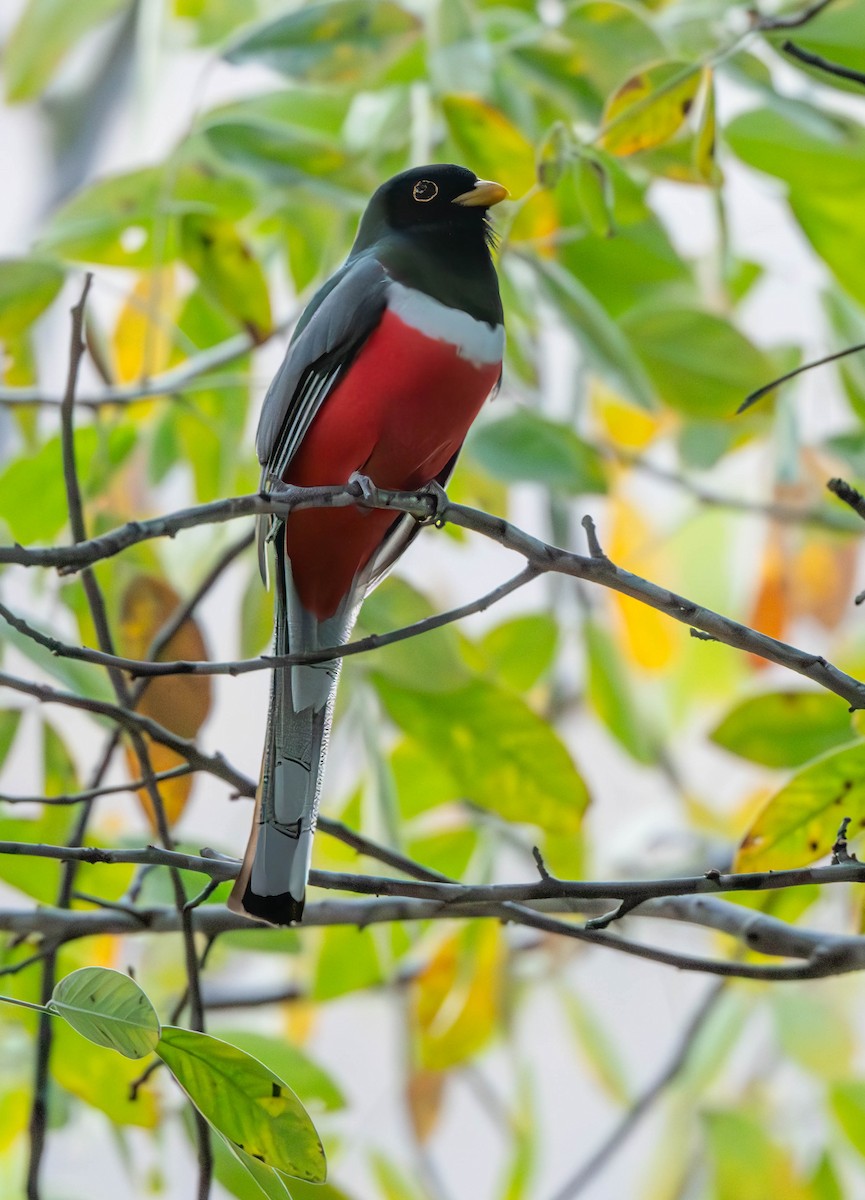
point(387, 368)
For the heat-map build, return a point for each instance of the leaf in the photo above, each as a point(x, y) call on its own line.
point(348, 961)
point(607, 349)
point(46, 31)
point(457, 998)
point(131, 220)
point(612, 695)
point(813, 1033)
point(799, 823)
point(179, 702)
point(224, 263)
point(836, 34)
point(799, 145)
point(784, 729)
point(705, 143)
point(10, 718)
point(847, 1102)
point(650, 107)
point(607, 41)
point(701, 365)
point(341, 42)
point(597, 1046)
point(525, 447)
point(287, 137)
point(141, 343)
point(245, 1102)
point(501, 755)
point(99, 1078)
point(430, 662)
point(256, 616)
point(493, 145)
point(308, 1078)
point(108, 1008)
point(745, 1164)
point(521, 651)
point(27, 287)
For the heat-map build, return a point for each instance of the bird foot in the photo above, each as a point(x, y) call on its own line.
point(440, 504)
point(362, 487)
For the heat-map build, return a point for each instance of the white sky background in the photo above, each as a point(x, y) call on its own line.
point(644, 1006)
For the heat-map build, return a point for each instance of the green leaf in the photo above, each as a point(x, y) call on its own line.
point(608, 41)
point(288, 137)
point(784, 729)
point(108, 1008)
point(800, 146)
point(348, 961)
point(100, 1078)
point(701, 365)
point(502, 756)
point(813, 1033)
point(224, 263)
point(650, 107)
point(132, 220)
point(522, 650)
point(607, 349)
point(799, 823)
point(46, 31)
point(745, 1164)
point(847, 1101)
point(98, 453)
point(611, 693)
point(307, 1078)
point(245, 1176)
point(27, 287)
point(431, 662)
point(341, 42)
point(597, 1046)
point(256, 616)
point(10, 719)
point(244, 1101)
point(526, 447)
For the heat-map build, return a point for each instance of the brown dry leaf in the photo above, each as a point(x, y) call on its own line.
point(424, 1094)
point(179, 702)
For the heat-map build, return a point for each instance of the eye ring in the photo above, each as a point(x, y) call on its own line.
point(424, 191)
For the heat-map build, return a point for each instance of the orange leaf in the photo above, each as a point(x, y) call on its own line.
point(179, 702)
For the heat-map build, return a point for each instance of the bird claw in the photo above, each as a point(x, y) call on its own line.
point(440, 504)
point(363, 487)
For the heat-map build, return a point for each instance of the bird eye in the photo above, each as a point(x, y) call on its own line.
point(425, 190)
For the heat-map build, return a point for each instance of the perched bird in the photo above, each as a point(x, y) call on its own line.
point(386, 370)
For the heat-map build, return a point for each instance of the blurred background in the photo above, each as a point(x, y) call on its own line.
point(686, 224)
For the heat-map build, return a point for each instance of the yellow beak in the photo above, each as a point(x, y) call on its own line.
point(484, 194)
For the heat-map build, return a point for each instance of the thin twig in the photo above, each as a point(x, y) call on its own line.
point(586, 1174)
point(823, 64)
point(793, 21)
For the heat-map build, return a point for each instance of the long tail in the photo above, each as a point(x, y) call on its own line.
point(272, 880)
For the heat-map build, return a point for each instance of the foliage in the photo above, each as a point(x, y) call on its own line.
point(633, 135)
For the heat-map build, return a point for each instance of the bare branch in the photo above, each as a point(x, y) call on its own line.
point(793, 21)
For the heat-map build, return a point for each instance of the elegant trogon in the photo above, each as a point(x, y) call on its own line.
point(386, 370)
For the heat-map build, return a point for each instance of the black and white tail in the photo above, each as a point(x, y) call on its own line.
point(272, 879)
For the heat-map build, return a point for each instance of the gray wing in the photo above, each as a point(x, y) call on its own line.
point(341, 318)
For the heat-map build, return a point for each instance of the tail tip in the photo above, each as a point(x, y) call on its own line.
point(283, 909)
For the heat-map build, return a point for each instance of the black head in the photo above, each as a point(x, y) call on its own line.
point(440, 198)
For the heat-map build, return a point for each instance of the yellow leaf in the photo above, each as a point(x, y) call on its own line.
point(492, 145)
point(142, 341)
point(705, 142)
point(800, 822)
point(626, 426)
point(649, 108)
point(770, 611)
point(458, 996)
point(179, 702)
point(822, 578)
point(649, 637)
